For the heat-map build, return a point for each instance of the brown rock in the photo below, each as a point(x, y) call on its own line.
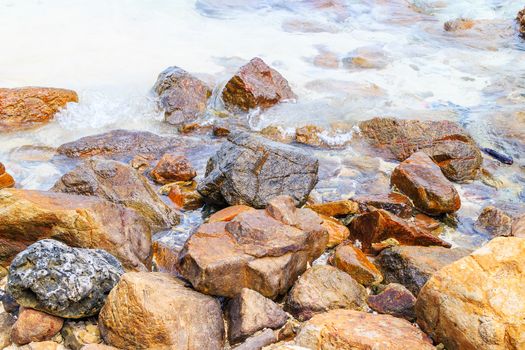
point(396, 203)
point(326, 60)
point(337, 233)
point(6, 181)
point(155, 310)
point(229, 213)
point(365, 57)
point(166, 256)
point(172, 168)
point(494, 221)
point(277, 133)
point(309, 135)
point(185, 196)
point(520, 18)
point(478, 302)
point(336, 208)
point(518, 228)
point(324, 288)
point(98, 347)
point(458, 24)
point(423, 182)
point(258, 341)
point(428, 223)
point(77, 334)
point(78, 221)
point(35, 326)
point(6, 324)
point(394, 300)
point(30, 106)
point(44, 345)
point(352, 261)
point(256, 85)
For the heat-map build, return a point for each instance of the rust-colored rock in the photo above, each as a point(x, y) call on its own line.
point(337, 232)
point(394, 300)
point(423, 182)
point(185, 196)
point(309, 135)
point(256, 85)
point(336, 209)
point(494, 221)
point(396, 203)
point(35, 326)
point(172, 168)
point(6, 181)
point(166, 256)
point(428, 223)
point(352, 261)
point(520, 18)
point(229, 213)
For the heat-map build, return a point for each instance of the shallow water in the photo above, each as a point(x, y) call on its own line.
point(111, 52)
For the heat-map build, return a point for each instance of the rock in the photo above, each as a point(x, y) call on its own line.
point(518, 227)
point(478, 302)
point(366, 57)
point(29, 106)
point(251, 170)
point(379, 225)
point(309, 135)
point(6, 324)
point(77, 334)
point(494, 221)
point(351, 260)
point(166, 256)
point(278, 134)
point(520, 18)
point(35, 326)
point(8, 302)
point(500, 157)
point(44, 345)
point(258, 341)
point(326, 59)
point(68, 282)
point(445, 142)
point(78, 221)
point(172, 168)
point(250, 312)
point(220, 130)
point(413, 266)
point(229, 213)
point(6, 180)
point(139, 314)
point(355, 330)
point(98, 347)
point(324, 288)
point(182, 96)
point(121, 184)
point(423, 182)
point(185, 196)
point(337, 233)
point(428, 223)
point(256, 85)
point(336, 209)
point(396, 203)
point(458, 24)
point(254, 250)
point(394, 300)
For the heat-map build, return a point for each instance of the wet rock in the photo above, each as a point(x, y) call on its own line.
point(220, 130)
point(394, 300)
point(309, 135)
point(324, 288)
point(251, 170)
point(29, 106)
point(340, 208)
point(256, 85)
point(337, 233)
point(428, 223)
point(121, 184)
point(326, 59)
point(520, 18)
point(6, 324)
point(278, 134)
point(139, 313)
point(68, 282)
point(182, 96)
point(494, 221)
point(6, 180)
point(396, 203)
point(478, 302)
point(77, 334)
point(422, 181)
point(413, 266)
point(185, 196)
point(172, 168)
point(518, 227)
point(78, 221)
point(35, 326)
point(366, 57)
point(229, 213)
point(458, 24)
point(250, 312)
point(498, 156)
point(166, 256)
point(351, 260)
point(258, 341)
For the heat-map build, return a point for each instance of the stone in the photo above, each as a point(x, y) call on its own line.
point(458, 24)
point(185, 196)
point(172, 168)
point(365, 57)
point(77, 334)
point(182, 96)
point(494, 221)
point(379, 225)
point(229, 213)
point(166, 256)
point(250, 312)
point(520, 18)
point(98, 347)
point(154, 310)
point(6, 324)
point(396, 203)
point(478, 302)
point(78, 221)
point(68, 282)
point(44, 345)
point(354, 262)
point(394, 300)
point(251, 170)
point(309, 135)
point(35, 326)
point(278, 134)
point(518, 227)
point(340, 208)
point(256, 85)
point(121, 184)
point(337, 232)
point(254, 250)
point(423, 182)
point(428, 223)
point(258, 341)
point(8, 302)
point(6, 181)
point(322, 288)
point(30, 106)
point(413, 266)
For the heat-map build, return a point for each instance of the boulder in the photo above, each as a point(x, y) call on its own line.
point(229, 213)
point(68, 282)
point(172, 168)
point(250, 312)
point(256, 85)
point(184, 195)
point(121, 184)
point(6, 324)
point(413, 266)
point(254, 250)
point(29, 106)
point(336, 209)
point(35, 326)
point(78, 221)
point(394, 300)
point(337, 232)
point(494, 221)
point(423, 182)
point(324, 288)
point(77, 334)
point(478, 302)
point(182, 96)
point(351, 260)
point(251, 170)
point(152, 310)
point(396, 203)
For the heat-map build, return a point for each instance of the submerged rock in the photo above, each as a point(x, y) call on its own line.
point(458, 24)
point(6, 180)
point(394, 300)
point(520, 18)
point(35, 326)
point(172, 168)
point(494, 221)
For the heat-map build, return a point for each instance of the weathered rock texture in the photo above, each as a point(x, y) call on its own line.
point(520, 18)
point(68, 282)
point(396, 203)
point(172, 168)
point(394, 300)
point(77, 334)
point(494, 221)
point(6, 324)
point(337, 232)
point(336, 208)
point(35, 326)
point(351, 260)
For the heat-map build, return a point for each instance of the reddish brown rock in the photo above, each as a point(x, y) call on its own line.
point(166, 257)
point(6, 181)
point(337, 233)
point(256, 85)
point(423, 182)
point(394, 300)
point(428, 223)
point(494, 221)
point(172, 168)
point(336, 208)
point(229, 213)
point(185, 195)
point(35, 326)
point(395, 203)
point(352, 261)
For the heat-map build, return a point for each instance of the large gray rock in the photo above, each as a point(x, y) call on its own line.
point(251, 170)
point(69, 282)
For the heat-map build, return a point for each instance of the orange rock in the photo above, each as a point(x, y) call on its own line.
point(277, 133)
point(166, 257)
point(309, 135)
point(396, 203)
point(171, 168)
point(337, 232)
point(336, 208)
point(458, 24)
point(2, 169)
point(185, 195)
point(355, 263)
point(428, 223)
point(35, 326)
point(6, 181)
point(228, 214)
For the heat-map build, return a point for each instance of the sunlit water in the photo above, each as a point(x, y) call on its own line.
point(111, 52)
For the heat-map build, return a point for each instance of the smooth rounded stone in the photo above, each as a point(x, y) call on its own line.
point(30, 106)
point(340, 208)
point(322, 288)
point(6, 324)
point(77, 334)
point(478, 302)
point(356, 330)
point(172, 168)
point(8, 302)
point(35, 326)
point(151, 310)
point(256, 85)
point(229, 213)
point(354, 262)
point(250, 312)
point(494, 221)
point(458, 24)
point(412, 266)
point(394, 300)
point(182, 96)
point(121, 184)
point(337, 232)
point(184, 195)
point(79, 221)
point(396, 203)
point(6, 181)
point(423, 182)
point(68, 282)
point(258, 341)
point(251, 170)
